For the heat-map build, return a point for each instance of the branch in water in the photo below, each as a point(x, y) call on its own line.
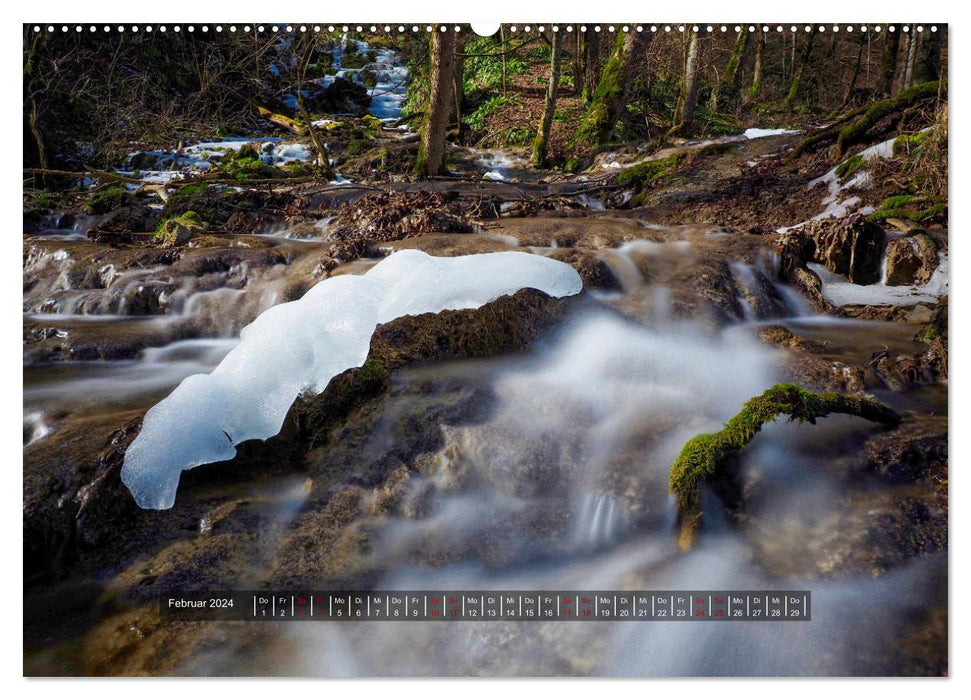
point(706, 457)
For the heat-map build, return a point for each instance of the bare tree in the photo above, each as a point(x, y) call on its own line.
point(727, 89)
point(431, 154)
point(541, 144)
point(888, 63)
point(857, 64)
point(928, 64)
point(591, 61)
point(684, 115)
point(799, 66)
point(908, 77)
point(755, 90)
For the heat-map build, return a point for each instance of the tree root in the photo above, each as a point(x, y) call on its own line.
point(706, 457)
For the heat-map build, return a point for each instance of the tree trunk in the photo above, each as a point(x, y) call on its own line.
point(755, 91)
point(800, 66)
point(541, 143)
point(888, 63)
point(431, 154)
point(908, 78)
point(458, 82)
point(684, 115)
point(928, 66)
point(608, 100)
point(502, 38)
point(728, 84)
point(856, 70)
point(591, 56)
point(578, 65)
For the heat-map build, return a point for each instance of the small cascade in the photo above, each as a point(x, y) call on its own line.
point(34, 427)
point(601, 521)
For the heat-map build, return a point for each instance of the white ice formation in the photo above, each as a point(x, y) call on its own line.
point(300, 345)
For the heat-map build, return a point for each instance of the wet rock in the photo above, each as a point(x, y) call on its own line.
point(896, 371)
point(179, 230)
point(341, 97)
point(914, 452)
point(782, 337)
point(596, 273)
point(851, 247)
point(910, 260)
point(935, 335)
point(508, 324)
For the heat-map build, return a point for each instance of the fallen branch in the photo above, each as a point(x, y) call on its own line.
point(85, 174)
point(281, 121)
point(707, 457)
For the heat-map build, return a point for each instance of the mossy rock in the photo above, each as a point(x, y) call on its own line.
point(47, 201)
point(108, 200)
point(358, 146)
point(650, 171)
point(178, 230)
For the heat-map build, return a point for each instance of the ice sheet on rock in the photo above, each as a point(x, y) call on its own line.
point(417, 283)
point(837, 290)
point(299, 346)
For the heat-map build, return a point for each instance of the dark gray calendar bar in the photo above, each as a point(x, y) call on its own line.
point(485, 606)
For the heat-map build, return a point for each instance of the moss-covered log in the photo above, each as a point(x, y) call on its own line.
point(855, 126)
point(705, 457)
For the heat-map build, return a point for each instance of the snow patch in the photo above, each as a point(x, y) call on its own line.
point(837, 290)
point(762, 133)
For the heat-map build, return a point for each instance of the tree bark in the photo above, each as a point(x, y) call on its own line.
point(888, 63)
point(458, 82)
point(431, 154)
point(541, 144)
point(755, 91)
point(928, 65)
point(861, 39)
point(800, 66)
point(608, 99)
point(578, 65)
point(728, 84)
point(908, 78)
point(684, 115)
point(591, 55)
point(502, 38)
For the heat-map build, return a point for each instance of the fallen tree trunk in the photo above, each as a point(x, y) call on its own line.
point(707, 457)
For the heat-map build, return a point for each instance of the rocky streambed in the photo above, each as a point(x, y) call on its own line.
point(525, 444)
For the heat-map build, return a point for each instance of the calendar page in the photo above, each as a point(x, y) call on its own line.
point(570, 349)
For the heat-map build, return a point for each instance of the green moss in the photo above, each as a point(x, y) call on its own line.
point(108, 199)
point(856, 130)
point(649, 171)
point(358, 146)
point(909, 208)
point(599, 119)
point(372, 124)
point(50, 201)
point(176, 230)
point(705, 455)
point(849, 167)
point(903, 145)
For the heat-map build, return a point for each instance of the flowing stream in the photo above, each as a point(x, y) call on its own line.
point(557, 482)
